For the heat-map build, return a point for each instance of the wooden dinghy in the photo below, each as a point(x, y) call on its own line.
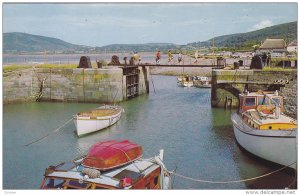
point(97, 119)
point(111, 154)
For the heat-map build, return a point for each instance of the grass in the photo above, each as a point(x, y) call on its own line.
point(278, 69)
point(57, 66)
point(10, 68)
point(17, 67)
point(283, 59)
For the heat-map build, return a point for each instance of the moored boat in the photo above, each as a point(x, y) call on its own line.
point(185, 81)
point(202, 82)
point(262, 129)
point(115, 165)
point(97, 119)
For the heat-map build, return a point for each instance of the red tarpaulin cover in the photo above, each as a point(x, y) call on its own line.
point(110, 154)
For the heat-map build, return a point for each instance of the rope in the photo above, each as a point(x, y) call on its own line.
point(126, 157)
point(232, 181)
point(152, 83)
point(54, 131)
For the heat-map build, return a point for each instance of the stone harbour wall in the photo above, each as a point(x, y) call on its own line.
point(287, 77)
point(17, 86)
point(69, 85)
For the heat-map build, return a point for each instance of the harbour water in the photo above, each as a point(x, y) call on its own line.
point(197, 140)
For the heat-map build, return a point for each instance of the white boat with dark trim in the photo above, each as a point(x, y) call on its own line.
point(110, 165)
point(262, 129)
point(202, 82)
point(97, 119)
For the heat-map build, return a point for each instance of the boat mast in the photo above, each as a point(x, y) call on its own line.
point(213, 50)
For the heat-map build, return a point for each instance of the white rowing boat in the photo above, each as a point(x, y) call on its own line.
point(97, 119)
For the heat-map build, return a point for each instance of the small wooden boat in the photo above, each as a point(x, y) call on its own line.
point(110, 165)
point(97, 119)
point(111, 154)
point(262, 129)
point(185, 81)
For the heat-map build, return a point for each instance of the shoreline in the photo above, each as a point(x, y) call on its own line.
point(176, 71)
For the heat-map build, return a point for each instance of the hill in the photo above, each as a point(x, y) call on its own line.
point(23, 42)
point(138, 47)
point(287, 31)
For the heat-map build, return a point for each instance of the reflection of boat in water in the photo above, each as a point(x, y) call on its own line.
point(261, 128)
point(185, 81)
point(110, 165)
point(202, 82)
point(97, 119)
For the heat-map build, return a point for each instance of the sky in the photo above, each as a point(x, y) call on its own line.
point(99, 24)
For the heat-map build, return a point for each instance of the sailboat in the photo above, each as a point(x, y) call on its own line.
point(185, 81)
point(262, 129)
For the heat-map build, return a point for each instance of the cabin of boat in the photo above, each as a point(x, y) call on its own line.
point(201, 78)
point(264, 111)
point(135, 174)
point(185, 81)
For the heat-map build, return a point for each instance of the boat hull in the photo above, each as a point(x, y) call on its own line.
point(185, 84)
point(278, 146)
point(202, 86)
point(86, 125)
point(111, 154)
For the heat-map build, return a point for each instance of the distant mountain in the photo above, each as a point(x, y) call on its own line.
point(287, 31)
point(138, 47)
point(23, 42)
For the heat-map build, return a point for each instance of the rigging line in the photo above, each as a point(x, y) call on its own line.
point(116, 94)
point(233, 181)
point(54, 131)
point(152, 83)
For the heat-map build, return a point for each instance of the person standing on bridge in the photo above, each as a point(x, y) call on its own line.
point(170, 56)
point(157, 57)
point(179, 57)
point(196, 56)
point(136, 58)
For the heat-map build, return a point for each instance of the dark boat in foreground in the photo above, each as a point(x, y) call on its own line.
point(110, 165)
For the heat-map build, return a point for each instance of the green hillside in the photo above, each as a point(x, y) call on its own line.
point(23, 42)
point(138, 47)
point(287, 31)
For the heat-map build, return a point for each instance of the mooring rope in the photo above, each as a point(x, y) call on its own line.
point(152, 83)
point(232, 181)
point(54, 131)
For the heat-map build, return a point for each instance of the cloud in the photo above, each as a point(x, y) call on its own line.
point(262, 24)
